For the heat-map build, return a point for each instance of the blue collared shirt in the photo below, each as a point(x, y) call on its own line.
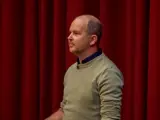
point(91, 57)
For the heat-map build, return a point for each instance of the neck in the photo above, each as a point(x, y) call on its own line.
point(87, 53)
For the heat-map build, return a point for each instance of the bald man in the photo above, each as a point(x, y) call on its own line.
point(93, 84)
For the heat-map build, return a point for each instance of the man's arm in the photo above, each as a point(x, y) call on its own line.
point(110, 90)
point(59, 114)
point(56, 116)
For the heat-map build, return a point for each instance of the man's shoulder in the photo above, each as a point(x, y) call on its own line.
point(111, 70)
point(105, 62)
point(71, 67)
point(69, 71)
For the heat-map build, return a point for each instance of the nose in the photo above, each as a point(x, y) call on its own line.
point(70, 37)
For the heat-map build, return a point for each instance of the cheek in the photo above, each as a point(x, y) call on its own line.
point(80, 41)
point(83, 43)
point(77, 40)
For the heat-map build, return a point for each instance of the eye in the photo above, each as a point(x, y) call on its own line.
point(75, 33)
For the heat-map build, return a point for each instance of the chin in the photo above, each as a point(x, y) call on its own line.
point(72, 50)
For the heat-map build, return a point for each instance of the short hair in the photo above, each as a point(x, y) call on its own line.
point(95, 27)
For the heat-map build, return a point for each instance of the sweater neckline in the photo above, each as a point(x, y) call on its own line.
point(89, 63)
point(89, 58)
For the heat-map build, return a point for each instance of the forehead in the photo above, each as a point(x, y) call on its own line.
point(78, 24)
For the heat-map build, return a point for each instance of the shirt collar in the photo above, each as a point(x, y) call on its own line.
point(91, 57)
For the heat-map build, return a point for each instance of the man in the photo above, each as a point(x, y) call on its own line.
point(92, 85)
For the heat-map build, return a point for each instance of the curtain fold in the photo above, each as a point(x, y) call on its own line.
point(153, 95)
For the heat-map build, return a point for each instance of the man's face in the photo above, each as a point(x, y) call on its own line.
point(78, 40)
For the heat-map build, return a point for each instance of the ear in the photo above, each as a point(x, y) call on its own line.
point(93, 40)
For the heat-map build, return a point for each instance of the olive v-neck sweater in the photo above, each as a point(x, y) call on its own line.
point(93, 90)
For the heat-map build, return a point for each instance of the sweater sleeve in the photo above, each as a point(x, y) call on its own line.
point(110, 90)
point(63, 102)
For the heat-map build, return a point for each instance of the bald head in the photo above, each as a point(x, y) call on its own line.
point(93, 25)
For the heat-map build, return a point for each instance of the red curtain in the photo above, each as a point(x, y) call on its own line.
point(34, 54)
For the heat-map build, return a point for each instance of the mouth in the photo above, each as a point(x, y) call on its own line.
point(71, 45)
